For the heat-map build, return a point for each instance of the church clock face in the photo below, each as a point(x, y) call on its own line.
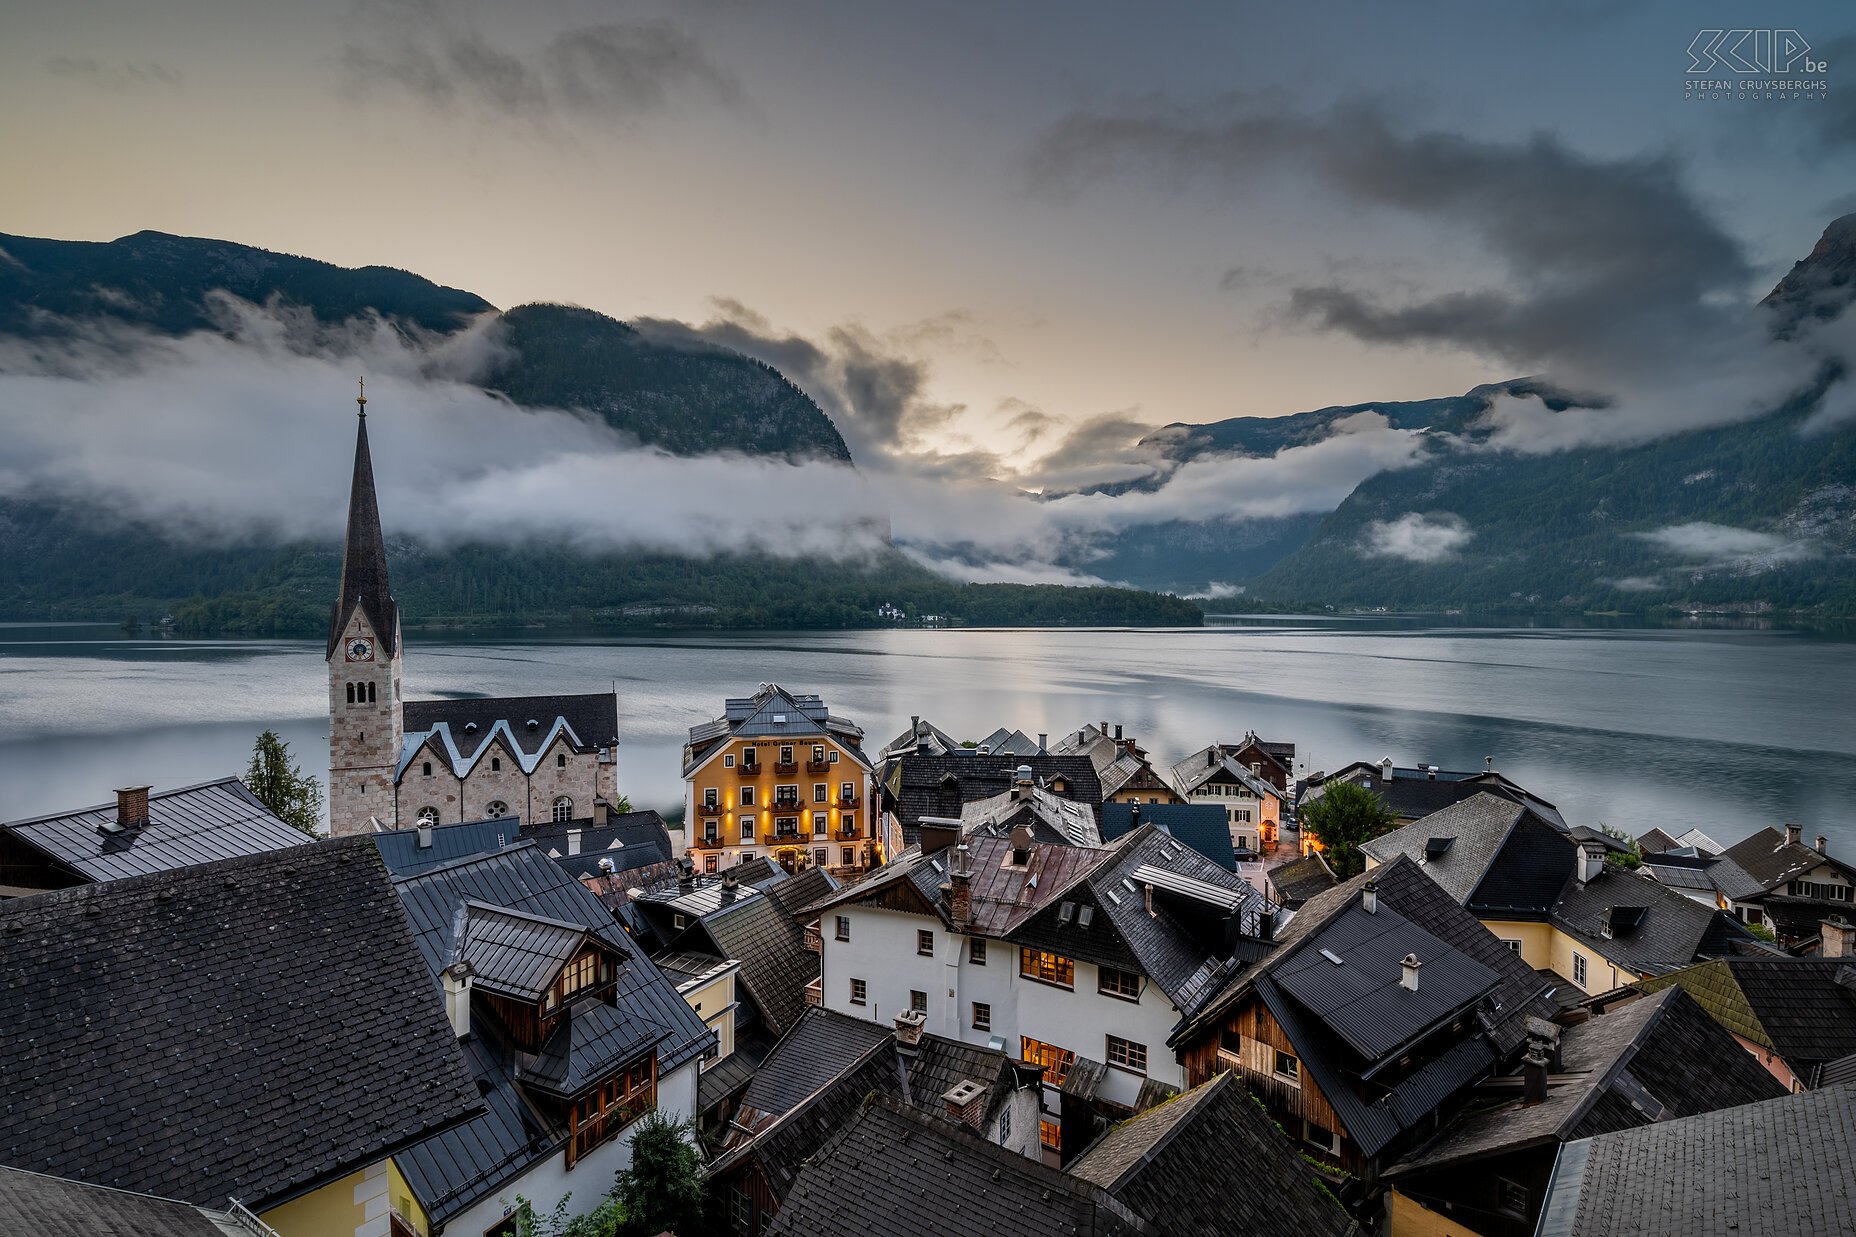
point(360, 650)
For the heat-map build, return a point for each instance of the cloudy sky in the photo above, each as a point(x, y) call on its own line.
point(1073, 221)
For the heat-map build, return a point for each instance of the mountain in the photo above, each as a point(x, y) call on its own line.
point(687, 400)
point(79, 562)
point(1756, 515)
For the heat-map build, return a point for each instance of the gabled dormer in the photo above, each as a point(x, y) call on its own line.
point(527, 970)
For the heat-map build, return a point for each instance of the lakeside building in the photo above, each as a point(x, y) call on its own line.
point(396, 763)
point(922, 786)
point(1796, 1016)
point(778, 775)
point(1078, 959)
point(1412, 794)
point(1253, 806)
point(1122, 765)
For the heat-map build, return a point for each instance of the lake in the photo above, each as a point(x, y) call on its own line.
point(1727, 730)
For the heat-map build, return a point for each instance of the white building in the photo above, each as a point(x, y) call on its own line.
point(1079, 959)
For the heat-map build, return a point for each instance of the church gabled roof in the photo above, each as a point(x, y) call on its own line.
point(364, 557)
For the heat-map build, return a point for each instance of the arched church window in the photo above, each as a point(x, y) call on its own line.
point(428, 816)
point(563, 809)
point(351, 693)
point(426, 769)
point(497, 809)
point(370, 693)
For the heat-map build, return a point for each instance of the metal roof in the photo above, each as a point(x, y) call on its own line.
point(1186, 886)
point(189, 826)
point(516, 954)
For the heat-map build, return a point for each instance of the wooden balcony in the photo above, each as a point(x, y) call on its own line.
point(850, 800)
point(710, 809)
point(815, 991)
point(818, 766)
point(785, 768)
point(848, 831)
point(748, 768)
point(814, 941)
point(708, 841)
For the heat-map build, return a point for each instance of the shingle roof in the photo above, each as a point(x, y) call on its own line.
point(938, 740)
point(1477, 826)
point(1301, 879)
point(1209, 762)
point(631, 840)
point(1635, 1064)
point(451, 1171)
point(42, 1206)
point(191, 825)
point(1770, 861)
point(938, 785)
point(1780, 1166)
point(1202, 826)
point(801, 889)
point(1051, 817)
point(892, 1160)
point(1804, 1009)
point(820, 1046)
point(1171, 1165)
point(1672, 932)
point(1413, 794)
point(300, 972)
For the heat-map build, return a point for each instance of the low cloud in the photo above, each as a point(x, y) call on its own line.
point(1217, 590)
point(1706, 544)
point(1418, 538)
point(614, 72)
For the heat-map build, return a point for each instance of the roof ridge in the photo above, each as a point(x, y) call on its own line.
point(1192, 1101)
point(197, 871)
point(154, 796)
point(451, 865)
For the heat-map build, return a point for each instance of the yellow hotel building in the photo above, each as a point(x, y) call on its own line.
point(778, 775)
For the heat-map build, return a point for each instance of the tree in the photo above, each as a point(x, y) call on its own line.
point(1345, 817)
point(664, 1189)
point(622, 805)
point(605, 1220)
point(281, 786)
point(1631, 857)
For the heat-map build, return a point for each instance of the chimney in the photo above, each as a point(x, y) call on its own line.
point(1408, 972)
point(1823, 844)
point(965, 1103)
point(425, 836)
point(1838, 938)
point(1021, 782)
point(1794, 835)
point(1591, 863)
point(1369, 898)
point(573, 841)
point(686, 874)
point(457, 998)
point(1385, 768)
point(909, 1025)
point(1118, 733)
point(602, 811)
point(1043, 743)
point(132, 806)
point(1431, 772)
point(1211, 756)
point(1147, 893)
point(1134, 817)
point(938, 833)
point(730, 882)
point(1542, 1056)
point(960, 890)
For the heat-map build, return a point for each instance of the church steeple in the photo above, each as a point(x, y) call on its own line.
point(364, 554)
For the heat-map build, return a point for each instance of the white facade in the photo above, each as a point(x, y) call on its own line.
point(882, 952)
point(550, 1180)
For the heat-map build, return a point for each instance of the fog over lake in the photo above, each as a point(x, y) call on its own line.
point(1726, 730)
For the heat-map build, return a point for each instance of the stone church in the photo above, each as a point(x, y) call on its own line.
point(397, 763)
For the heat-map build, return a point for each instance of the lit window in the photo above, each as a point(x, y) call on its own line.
point(982, 1016)
point(1128, 1055)
point(924, 942)
point(710, 864)
point(1111, 982)
point(581, 973)
point(1050, 1134)
point(1047, 967)
point(563, 809)
point(858, 991)
point(1287, 1067)
point(1056, 1061)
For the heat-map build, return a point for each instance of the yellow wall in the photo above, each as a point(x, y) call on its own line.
point(1413, 1219)
point(707, 1001)
point(344, 1207)
point(1543, 945)
point(1536, 939)
point(728, 781)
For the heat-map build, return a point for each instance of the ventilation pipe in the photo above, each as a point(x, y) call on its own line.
point(1408, 972)
point(1369, 898)
point(425, 836)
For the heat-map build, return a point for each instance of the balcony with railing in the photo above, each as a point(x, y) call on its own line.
point(847, 831)
point(708, 839)
point(710, 809)
point(848, 800)
point(785, 768)
point(749, 768)
point(814, 941)
point(815, 991)
point(818, 766)
point(786, 802)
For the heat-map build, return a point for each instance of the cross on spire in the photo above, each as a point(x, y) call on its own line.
point(362, 398)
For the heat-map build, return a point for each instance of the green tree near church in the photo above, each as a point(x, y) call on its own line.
point(281, 785)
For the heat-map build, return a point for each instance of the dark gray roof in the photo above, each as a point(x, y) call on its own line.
point(821, 1046)
point(1003, 742)
point(1780, 1166)
point(632, 840)
point(1653, 1059)
point(725, 1079)
point(1478, 825)
point(455, 1169)
point(1301, 879)
point(1201, 826)
point(1770, 861)
point(1413, 794)
point(1804, 1009)
point(801, 889)
point(1171, 1164)
point(404, 856)
point(298, 969)
point(192, 825)
point(776, 966)
point(894, 1161)
point(773, 713)
point(514, 954)
point(1349, 976)
point(938, 785)
point(364, 584)
point(1217, 763)
point(41, 1206)
point(593, 718)
point(1672, 931)
point(1838, 1072)
point(922, 731)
